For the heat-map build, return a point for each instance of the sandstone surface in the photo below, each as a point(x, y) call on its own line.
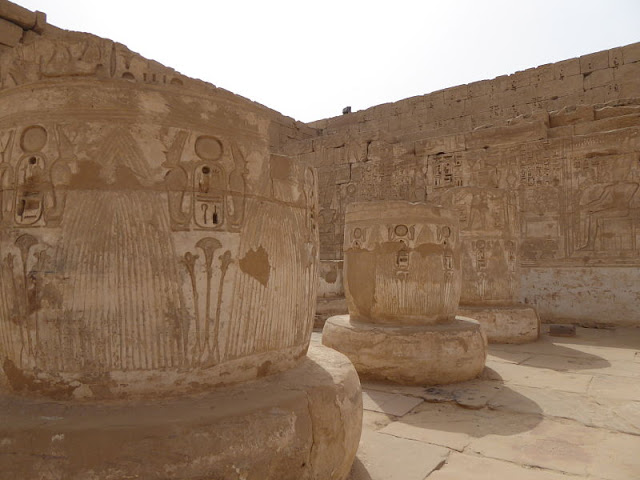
point(402, 277)
point(414, 355)
point(158, 275)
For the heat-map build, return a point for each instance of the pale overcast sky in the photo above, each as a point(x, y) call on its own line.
point(310, 59)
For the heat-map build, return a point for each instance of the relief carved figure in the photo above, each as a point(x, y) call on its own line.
point(489, 237)
point(606, 207)
point(599, 204)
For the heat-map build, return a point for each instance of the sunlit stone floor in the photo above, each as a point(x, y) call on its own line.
point(559, 408)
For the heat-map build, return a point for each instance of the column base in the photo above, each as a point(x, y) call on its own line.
point(511, 324)
point(304, 423)
point(410, 355)
point(328, 307)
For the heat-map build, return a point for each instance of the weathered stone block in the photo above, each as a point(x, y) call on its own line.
point(543, 74)
point(446, 144)
point(606, 124)
point(298, 147)
point(10, 33)
point(478, 89)
point(631, 53)
point(566, 68)
point(509, 324)
point(616, 111)
point(598, 78)
point(418, 355)
point(559, 88)
point(616, 57)
point(594, 61)
point(488, 137)
point(571, 115)
point(627, 73)
point(18, 15)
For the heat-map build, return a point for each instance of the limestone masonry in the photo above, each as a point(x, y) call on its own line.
point(543, 167)
point(164, 243)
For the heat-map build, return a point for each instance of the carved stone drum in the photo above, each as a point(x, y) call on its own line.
point(158, 275)
point(402, 284)
point(401, 262)
point(142, 256)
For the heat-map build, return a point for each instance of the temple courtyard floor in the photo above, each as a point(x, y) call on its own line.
point(559, 408)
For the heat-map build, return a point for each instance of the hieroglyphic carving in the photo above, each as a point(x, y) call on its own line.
point(206, 345)
point(604, 206)
point(401, 262)
point(200, 193)
point(70, 54)
point(489, 235)
point(31, 177)
point(446, 171)
point(542, 208)
point(102, 287)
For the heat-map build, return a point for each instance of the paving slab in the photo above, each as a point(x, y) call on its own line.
point(558, 346)
point(617, 415)
point(540, 411)
point(606, 386)
point(472, 394)
point(567, 447)
point(412, 391)
point(460, 466)
point(508, 357)
point(385, 457)
point(603, 351)
point(375, 420)
point(454, 427)
point(389, 403)
point(584, 365)
point(540, 377)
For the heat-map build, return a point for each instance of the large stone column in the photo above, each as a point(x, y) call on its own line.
point(402, 276)
point(157, 279)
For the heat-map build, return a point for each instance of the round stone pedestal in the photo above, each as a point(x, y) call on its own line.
point(304, 423)
point(512, 324)
point(411, 355)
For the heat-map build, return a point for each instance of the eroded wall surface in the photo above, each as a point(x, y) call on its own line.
point(543, 166)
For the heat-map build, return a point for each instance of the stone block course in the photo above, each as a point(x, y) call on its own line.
point(10, 33)
point(631, 53)
point(594, 61)
point(18, 15)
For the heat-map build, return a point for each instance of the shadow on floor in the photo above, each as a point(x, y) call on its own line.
point(359, 471)
point(551, 356)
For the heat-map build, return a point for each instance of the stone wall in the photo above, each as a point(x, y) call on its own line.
point(544, 163)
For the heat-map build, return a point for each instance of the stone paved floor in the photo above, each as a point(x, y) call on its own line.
point(559, 408)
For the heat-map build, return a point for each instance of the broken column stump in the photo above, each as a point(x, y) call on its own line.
point(402, 284)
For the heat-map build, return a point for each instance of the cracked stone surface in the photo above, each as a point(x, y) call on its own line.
point(556, 409)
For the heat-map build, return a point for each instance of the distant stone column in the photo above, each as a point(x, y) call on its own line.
point(402, 284)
